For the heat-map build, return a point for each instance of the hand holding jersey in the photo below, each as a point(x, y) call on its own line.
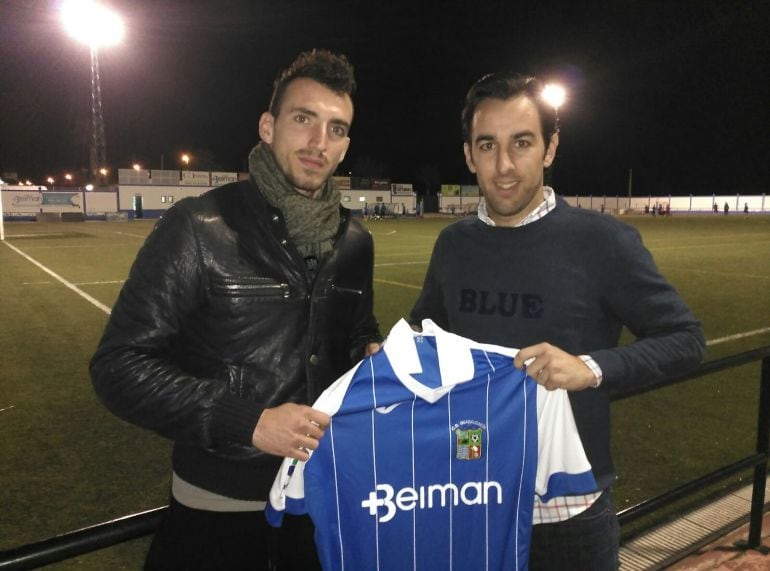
point(554, 368)
point(290, 430)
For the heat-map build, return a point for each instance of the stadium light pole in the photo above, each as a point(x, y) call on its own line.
point(555, 95)
point(96, 26)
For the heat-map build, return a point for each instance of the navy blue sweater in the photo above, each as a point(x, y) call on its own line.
point(573, 279)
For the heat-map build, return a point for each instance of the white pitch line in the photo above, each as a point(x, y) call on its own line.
point(738, 336)
point(48, 235)
point(105, 282)
point(717, 238)
point(61, 247)
point(7, 408)
point(56, 276)
point(410, 253)
point(379, 234)
point(131, 235)
point(385, 264)
point(410, 286)
point(715, 272)
point(743, 244)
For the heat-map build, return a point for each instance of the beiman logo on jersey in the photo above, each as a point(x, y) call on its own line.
point(469, 439)
point(429, 497)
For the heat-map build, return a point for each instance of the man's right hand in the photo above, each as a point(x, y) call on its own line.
point(290, 430)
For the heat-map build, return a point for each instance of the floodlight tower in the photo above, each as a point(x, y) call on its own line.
point(555, 95)
point(95, 26)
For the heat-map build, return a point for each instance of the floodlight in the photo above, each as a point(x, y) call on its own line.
point(96, 26)
point(555, 95)
point(91, 23)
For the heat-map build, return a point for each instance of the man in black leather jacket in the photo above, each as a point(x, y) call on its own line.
point(242, 306)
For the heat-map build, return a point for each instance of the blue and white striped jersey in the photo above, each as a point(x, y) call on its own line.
point(436, 449)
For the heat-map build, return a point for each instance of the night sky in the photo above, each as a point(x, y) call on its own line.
point(679, 91)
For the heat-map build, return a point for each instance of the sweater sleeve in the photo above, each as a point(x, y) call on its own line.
point(669, 339)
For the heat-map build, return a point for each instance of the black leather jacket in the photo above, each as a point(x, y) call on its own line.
point(218, 320)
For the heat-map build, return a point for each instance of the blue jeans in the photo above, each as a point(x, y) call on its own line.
point(587, 542)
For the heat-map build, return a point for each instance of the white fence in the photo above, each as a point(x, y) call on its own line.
point(156, 199)
point(754, 203)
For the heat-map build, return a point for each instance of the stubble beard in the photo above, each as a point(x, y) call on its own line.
point(308, 185)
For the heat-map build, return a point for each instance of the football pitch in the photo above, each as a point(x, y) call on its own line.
point(67, 463)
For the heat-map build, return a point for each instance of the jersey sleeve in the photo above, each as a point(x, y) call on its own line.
point(287, 494)
point(562, 465)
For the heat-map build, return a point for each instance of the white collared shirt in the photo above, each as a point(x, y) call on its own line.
point(548, 204)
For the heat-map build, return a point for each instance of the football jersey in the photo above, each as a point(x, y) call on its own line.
point(436, 448)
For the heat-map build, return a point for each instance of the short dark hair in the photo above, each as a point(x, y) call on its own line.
point(331, 70)
point(504, 85)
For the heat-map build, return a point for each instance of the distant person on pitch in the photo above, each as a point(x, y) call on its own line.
point(242, 306)
point(559, 283)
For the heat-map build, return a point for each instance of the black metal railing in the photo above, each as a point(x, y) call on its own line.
point(82, 541)
point(758, 460)
point(134, 526)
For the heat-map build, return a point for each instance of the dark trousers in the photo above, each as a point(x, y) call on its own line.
point(189, 539)
point(587, 542)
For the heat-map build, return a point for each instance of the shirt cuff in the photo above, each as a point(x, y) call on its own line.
point(595, 369)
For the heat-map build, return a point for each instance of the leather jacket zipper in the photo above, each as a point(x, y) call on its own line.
point(250, 286)
point(347, 290)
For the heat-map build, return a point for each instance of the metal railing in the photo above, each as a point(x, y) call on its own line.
point(758, 460)
point(138, 525)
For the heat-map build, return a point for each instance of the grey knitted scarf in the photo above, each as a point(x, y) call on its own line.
point(311, 222)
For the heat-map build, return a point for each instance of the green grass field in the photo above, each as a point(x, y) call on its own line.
point(67, 463)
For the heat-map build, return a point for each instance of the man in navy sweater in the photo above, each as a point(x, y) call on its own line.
point(559, 283)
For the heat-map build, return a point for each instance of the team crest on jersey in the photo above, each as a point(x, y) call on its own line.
point(469, 437)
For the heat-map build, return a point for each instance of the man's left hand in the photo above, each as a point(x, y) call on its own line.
point(554, 368)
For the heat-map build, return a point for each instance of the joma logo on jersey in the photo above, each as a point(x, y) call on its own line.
point(527, 305)
point(469, 443)
point(429, 497)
